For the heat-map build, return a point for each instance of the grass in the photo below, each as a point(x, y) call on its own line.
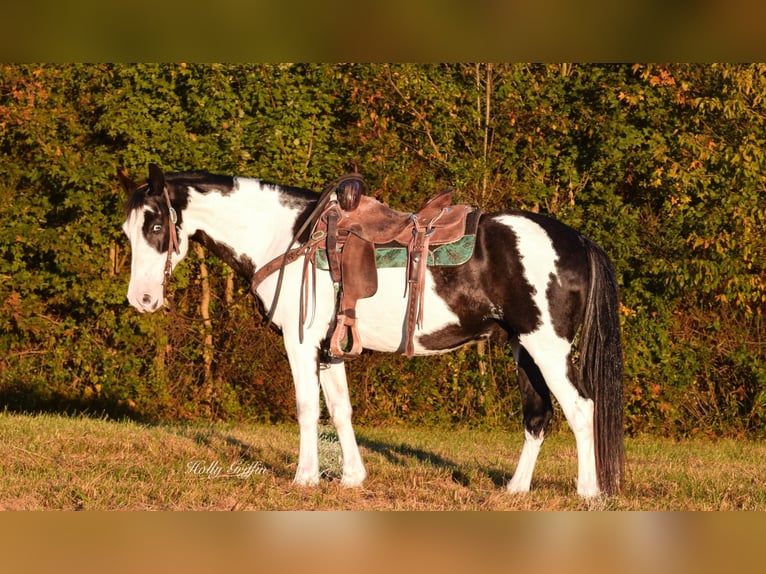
point(52, 462)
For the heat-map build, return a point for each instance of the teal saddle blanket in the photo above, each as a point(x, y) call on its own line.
point(447, 254)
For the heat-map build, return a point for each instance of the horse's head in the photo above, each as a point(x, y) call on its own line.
point(157, 239)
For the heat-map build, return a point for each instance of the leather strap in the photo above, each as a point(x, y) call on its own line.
point(275, 264)
point(332, 216)
point(172, 242)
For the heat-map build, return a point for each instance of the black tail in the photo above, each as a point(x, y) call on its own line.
point(601, 368)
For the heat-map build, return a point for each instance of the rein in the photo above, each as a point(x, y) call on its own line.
point(290, 255)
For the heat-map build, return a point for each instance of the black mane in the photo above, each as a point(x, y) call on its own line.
point(207, 182)
point(203, 181)
point(178, 182)
point(136, 198)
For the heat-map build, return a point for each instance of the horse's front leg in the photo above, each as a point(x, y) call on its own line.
point(304, 364)
point(335, 387)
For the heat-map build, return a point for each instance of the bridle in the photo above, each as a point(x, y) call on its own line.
point(173, 245)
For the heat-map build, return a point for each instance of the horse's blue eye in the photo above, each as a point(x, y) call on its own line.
point(157, 228)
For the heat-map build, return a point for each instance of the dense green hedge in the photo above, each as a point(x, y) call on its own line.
point(663, 165)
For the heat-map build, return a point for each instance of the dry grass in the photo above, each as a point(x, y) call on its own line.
point(53, 462)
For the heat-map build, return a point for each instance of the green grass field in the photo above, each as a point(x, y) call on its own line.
point(52, 462)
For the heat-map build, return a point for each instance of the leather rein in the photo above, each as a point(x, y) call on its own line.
point(174, 246)
point(291, 254)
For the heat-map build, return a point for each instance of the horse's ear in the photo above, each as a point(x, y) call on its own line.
point(156, 179)
point(127, 183)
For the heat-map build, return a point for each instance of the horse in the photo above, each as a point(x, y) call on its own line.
point(532, 283)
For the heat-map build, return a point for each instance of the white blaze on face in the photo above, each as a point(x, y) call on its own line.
point(147, 266)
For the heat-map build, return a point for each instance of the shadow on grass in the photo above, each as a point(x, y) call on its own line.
point(403, 453)
point(27, 402)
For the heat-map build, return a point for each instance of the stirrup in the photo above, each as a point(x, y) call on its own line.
point(345, 332)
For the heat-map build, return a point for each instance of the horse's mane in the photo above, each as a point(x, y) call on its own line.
point(201, 180)
point(207, 182)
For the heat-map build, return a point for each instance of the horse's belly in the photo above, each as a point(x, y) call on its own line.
point(381, 318)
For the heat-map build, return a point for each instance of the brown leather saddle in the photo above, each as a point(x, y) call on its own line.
point(352, 236)
point(349, 229)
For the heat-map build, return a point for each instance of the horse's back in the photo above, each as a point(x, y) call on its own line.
point(526, 269)
point(536, 233)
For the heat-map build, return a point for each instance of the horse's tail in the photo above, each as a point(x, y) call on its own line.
point(601, 368)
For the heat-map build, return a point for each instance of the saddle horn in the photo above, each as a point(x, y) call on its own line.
point(351, 188)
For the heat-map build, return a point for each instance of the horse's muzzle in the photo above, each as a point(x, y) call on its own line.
point(146, 304)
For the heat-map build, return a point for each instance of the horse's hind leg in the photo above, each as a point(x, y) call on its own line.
point(552, 355)
point(537, 409)
point(335, 388)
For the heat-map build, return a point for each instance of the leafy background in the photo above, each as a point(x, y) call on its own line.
point(663, 165)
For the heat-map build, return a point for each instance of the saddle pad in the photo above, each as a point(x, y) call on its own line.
point(449, 254)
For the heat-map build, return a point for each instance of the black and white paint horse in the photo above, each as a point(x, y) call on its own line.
point(532, 281)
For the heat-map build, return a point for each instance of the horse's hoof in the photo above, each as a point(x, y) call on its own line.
point(353, 480)
point(513, 488)
point(310, 479)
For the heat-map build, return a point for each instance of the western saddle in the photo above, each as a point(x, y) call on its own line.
point(349, 229)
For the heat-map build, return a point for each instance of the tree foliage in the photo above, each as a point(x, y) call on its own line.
point(663, 165)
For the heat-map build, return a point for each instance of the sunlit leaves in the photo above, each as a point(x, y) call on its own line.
point(663, 165)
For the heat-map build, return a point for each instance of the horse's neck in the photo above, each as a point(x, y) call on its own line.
point(252, 221)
